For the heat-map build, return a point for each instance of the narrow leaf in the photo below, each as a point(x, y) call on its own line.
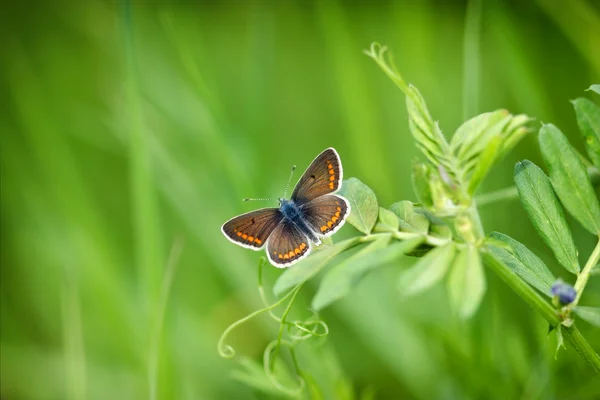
point(560, 342)
point(470, 131)
point(428, 271)
point(545, 212)
point(495, 124)
point(363, 203)
point(588, 119)
point(466, 282)
point(589, 314)
point(569, 178)
point(420, 183)
point(594, 88)
point(525, 263)
point(309, 267)
point(341, 278)
point(485, 161)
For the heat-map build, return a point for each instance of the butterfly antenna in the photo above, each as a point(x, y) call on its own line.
point(248, 199)
point(288, 182)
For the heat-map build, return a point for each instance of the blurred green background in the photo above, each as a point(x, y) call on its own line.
point(131, 132)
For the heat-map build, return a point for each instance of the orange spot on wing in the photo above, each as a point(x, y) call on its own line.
point(329, 223)
point(244, 236)
point(334, 219)
point(302, 246)
point(337, 214)
point(323, 228)
point(331, 171)
point(331, 186)
point(296, 251)
point(239, 233)
point(332, 178)
point(258, 241)
point(251, 238)
point(280, 256)
point(339, 209)
point(286, 256)
point(291, 253)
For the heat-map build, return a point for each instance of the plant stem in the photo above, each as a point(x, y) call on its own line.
point(527, 293)
point(584, 275)
point(509, 193)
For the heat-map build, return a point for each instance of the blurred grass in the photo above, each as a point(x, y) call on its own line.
point(122, 132)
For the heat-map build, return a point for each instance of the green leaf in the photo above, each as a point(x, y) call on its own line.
point(310, 266)
point(428, 136)
point(485, 161)
point(441, 231)
point(589, 314)
point(427, 271)
point(559, 341)
point(515, 131)
point(588, 119)
point(569, 178)
point(420, 182)
point(341, 278)
point(410, 219)
point(524, 262)
point(545, 212)
point(594, 88)
point(424, 130)
point(466, 282)
point(473, 136)
point(363, 202)
point(388, 219)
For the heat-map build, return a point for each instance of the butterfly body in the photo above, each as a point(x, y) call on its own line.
point(313, 211)
point(294, 215)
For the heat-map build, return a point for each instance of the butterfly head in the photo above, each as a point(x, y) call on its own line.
point(287, 207)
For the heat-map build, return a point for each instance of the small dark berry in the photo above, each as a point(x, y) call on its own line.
point(566, 293)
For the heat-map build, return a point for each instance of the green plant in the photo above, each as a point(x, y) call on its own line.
point(441, 236)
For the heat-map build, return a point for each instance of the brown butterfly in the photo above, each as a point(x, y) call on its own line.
point(312, 212)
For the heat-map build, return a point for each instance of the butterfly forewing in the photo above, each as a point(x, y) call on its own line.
point(323, 176)
point(287, 245)
point(326, 214)
point(252, 229)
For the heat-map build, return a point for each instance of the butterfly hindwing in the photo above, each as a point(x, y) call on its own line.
point(287, 245)
point(326, 214)
point(251, 230)
point(323, 176)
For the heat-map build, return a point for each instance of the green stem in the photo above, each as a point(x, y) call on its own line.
point(584, 275)
point(283, 318)
point(225, 350)
point(509, 193)
point(531, 297)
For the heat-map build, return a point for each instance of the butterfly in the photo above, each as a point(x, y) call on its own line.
point(289, 231)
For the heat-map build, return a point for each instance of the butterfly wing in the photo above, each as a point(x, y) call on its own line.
point(287, 245)
point(323, 176)
point(326, 214)
point(251, 230)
